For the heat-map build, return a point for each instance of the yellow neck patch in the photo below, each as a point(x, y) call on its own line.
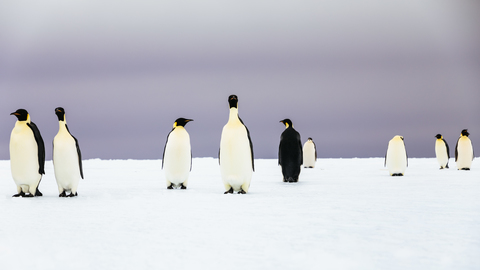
point(175, 125)
point(286, 125)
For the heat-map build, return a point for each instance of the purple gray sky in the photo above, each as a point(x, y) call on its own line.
point(349, 74)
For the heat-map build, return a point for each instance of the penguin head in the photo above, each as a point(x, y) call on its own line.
point(21, 114)
point(310, 139)
point(287, 122)
point(60, 112)
point(438, 136)
point(181, 122)
point(233, 101)
point(465, 132)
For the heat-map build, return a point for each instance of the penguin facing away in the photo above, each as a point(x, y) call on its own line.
point(442, 151)
point(27, 155)
point(177, 155)
point(236, 152)
point(67, 158)
point(464, 151)
point(309, 154)
point(290, 154)
point(396, 158)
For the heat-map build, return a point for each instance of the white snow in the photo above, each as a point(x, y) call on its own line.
point(343, 214)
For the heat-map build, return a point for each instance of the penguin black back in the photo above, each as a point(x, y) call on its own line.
point(290, 153)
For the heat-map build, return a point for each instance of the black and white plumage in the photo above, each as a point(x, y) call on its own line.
point(290, 153)
point(464, 151)
point(309, 154)
point(27, 155)
point(67, 158)
point(236, 152)
point(442, 151)
point(396, 158)
point(177, 155)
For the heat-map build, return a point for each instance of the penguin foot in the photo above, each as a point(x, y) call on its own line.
point(63, 194)
point(170, 187)
point(72, 195)
point(447, 167)
point(21, 194)
point(29, 195)
point(229, 191)
point(465, 169)
point(397, 174)
point(242, 191)
point(38, 193)
point(182, 186)
point(292, 180)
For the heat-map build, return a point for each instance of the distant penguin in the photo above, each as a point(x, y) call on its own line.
point(309, 154)
point(177, 155)
point(396, 158)
point(67, 158)
point(442, 151)
point(464, 151)
point(27, 155)
point(236, 152)
point(290, 155)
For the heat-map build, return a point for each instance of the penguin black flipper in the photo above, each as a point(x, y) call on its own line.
point(165, 147)
point(40, 145)
point(456, 150)
point(315, 147)
point(385, 162)
point(448, 149)
point(300, 147)
point(79, 153)
point(249, 140)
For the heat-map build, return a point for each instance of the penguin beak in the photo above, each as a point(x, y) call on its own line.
point(14, 113)
point(188, 120)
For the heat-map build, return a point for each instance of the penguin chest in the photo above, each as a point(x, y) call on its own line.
point(441, 153)
point(24, 156)
point(65, 159)
point(177, 157)
point(464, 153)
point(309, 155)
point(235, 155)
point(396, 157)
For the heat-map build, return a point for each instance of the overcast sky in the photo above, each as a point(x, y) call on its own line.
point(349, 74)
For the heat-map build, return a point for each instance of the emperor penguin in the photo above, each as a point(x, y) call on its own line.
point(290, 154)
point(396, 158)
point(442, 151)
point(67, 158)
point(177, 155)
point(236, 152)
point(27, 155)
point(309, 154)
point(464, 151)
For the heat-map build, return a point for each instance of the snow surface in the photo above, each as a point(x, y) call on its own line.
point(343, 214)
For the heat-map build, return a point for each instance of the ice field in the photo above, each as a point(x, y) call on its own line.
point(343, 214)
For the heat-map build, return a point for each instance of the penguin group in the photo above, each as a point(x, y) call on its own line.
point(235, 155)
point(396, 159)
point(27, 156)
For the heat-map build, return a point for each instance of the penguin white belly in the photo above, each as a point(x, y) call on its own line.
point(309, 155)
point(24, 159)
point(441, 153)
point(396, 158)
point(235, 157)
point(66, 163)
point(177, 157)
point(465, 153)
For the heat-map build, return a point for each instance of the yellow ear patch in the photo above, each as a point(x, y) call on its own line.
point(286, 125)
point(175, 124)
